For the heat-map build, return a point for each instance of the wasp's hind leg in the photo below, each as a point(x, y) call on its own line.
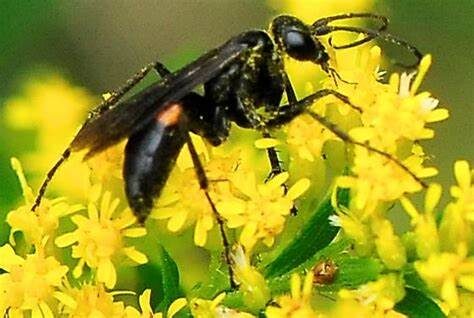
point(114, 97)
point(204, 185)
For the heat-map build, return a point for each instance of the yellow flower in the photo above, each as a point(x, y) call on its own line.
point(99, 238)
point(183, 202)
point(355, 227)
point(389, 246)
point(464, 191)
point(89, 301)
point(376, 180)
point(252, 284)
point(426, 232)
point(263, 208)
point(307, 137)
point(53, 108)
point(44, 221)
point(445, 273)
point(378, 297)
point(392, 115)
point(147, 311)
point(457, 224)
point(296, 305)
point(28, 284)
point(466, 306)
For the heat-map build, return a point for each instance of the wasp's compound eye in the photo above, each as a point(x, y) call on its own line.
point(299, 45)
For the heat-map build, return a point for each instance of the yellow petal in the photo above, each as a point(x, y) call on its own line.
point(295, 286)
point(449, 292)
point(135, 232)
point(462, 173)
point(247, 236)
point(265, 143)
point(409, 208)
point(134, 255)
point(77, 271)
point(277, 181)
point(106, 273)
point(200, 234)
point(422, 70)
point(46, 311)
point(177, 221)
point(433, 194)
point(231, 207)
point(65, 299)
point(176, 306)
point(437, 115)
point(144, 301)
point(467, 282)
point(8, 258)
point(27, 192)
point(66, 239)
point(298, 188)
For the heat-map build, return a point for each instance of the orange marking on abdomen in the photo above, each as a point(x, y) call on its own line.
point(170, 115)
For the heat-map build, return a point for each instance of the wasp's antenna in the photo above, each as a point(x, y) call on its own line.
point(374, 34)
point(321, 27)
point(321, 24)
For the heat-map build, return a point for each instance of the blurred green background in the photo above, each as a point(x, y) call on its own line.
point(98, 44)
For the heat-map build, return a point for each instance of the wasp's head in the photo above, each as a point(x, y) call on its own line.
point(294, 38)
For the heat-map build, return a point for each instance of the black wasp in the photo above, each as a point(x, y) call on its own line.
point(243, 75)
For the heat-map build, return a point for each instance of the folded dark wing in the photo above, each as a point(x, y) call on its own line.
point(132, 114)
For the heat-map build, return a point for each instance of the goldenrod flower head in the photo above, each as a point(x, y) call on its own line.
point(388, 245)
point(425, 228)
point(28, 284)
point(445, 273)
point(298, 304)
point(183, 202)
point(464, 191)
point(457, 224)
point(89, 301)
point(376, 180)
point(307, 137)
point(44, 221)
point(263, 208)
point(392, 117)
point(466, 305)
point(355, 226)
point(379, 296)
point(394, 114)
point(251, 282)
point(355, 308)
point(99, 237)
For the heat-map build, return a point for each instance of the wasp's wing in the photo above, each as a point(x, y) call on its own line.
point(130, 115)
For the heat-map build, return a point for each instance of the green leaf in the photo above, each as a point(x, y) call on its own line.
point(161, 275)
point(415, 304)
point(169, 279)
point(316, 234)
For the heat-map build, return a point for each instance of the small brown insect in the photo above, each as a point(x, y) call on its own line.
point(325, 272)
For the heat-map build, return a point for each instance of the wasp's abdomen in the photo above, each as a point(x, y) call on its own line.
point(150, 155)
